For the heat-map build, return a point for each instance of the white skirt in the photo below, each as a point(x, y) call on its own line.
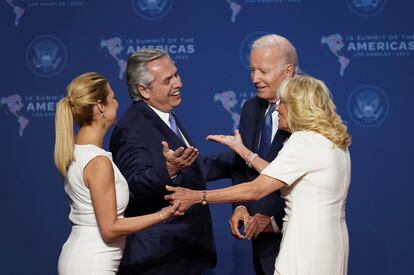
point(86, 253)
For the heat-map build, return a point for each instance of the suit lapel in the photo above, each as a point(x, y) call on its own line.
point(173, 140)
point(258, 117)
point(183, 133)
point(280, 135)
point(198, 163)
point(169, 136)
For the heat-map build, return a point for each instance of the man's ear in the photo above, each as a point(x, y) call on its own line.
point(143, 91)
point(290, 70)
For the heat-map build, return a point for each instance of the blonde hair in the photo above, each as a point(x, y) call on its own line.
point(83, 93)
point(310, 107)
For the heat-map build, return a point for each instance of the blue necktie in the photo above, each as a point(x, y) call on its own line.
point(174, 128)
point(266, 134)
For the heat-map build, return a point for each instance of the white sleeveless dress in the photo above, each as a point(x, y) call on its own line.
point(315, 236)
point(85, 252)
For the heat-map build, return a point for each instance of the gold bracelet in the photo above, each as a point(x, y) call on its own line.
point(250, 159)
point(204, 197)
point(162, 216)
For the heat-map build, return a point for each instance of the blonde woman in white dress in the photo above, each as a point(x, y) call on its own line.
point(312, 170)
point(97, 191)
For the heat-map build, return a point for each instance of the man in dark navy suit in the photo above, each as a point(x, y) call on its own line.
point(272, 59)
point(182, 245)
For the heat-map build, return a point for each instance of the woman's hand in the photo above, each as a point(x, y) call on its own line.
point(233, 142)
point(186, 197)
point(171, 211)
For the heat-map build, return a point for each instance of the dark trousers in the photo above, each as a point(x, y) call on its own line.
point(171, 265)
point(264, 266)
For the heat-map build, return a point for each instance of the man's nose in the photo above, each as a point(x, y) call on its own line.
point(255, 77)
point(177, 82)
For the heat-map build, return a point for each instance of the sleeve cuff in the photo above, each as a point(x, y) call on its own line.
point(275, 227)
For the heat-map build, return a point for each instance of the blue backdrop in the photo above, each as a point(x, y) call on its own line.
point(362, 49)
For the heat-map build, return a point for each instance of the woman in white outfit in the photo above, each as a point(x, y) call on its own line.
point(97, 192)
point(313, 172)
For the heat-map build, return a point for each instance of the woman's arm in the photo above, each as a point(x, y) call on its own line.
point(248, 191)
point(236, 144)
point(99, 177)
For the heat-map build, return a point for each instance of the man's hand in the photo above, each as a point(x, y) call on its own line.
point(257, 224)
point(178, 159)
point(240, 215)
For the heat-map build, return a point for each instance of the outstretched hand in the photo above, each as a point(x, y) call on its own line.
point(186, 197)
point(178, 159)
point(233, 142)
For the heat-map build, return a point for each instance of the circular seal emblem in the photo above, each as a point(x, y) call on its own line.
point(46, 56)
point(368, 106)
point(366, 7)
point(152, 9)
point(246, 46)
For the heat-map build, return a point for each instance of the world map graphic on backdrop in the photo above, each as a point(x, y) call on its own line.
point(235, 9)
point(18, 11)
point(15, 105)
point(363, 50)
point(229, 101)
point(335, 44)
point(114, 47)
point(369, 45)
point(29, 108)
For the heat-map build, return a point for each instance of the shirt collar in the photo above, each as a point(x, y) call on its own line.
point(164, 116)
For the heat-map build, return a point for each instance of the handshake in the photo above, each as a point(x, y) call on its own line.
point(182, 199)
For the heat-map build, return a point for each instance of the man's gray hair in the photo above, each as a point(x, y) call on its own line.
point(138, 73)
point(286, 50)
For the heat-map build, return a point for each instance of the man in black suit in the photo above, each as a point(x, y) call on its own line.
point(182, 245)
point(272, 59)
